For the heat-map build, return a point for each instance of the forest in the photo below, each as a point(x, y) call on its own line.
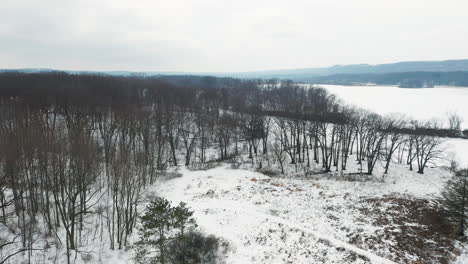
point(75, 147)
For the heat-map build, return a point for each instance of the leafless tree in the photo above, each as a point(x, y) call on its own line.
point(394, 137)
point(454, 121)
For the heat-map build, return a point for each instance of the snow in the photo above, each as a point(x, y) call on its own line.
point(420, 103)
point(282, 220)
point(463, 258)
point(457, 149)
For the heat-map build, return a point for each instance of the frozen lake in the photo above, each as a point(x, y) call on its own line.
point(420, 104)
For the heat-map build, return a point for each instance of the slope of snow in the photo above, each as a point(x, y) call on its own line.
point(275, 220)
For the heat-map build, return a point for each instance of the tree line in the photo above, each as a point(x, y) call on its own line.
point(410, 79)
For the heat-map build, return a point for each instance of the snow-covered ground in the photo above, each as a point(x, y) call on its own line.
point(319, 219)
point(421, 104)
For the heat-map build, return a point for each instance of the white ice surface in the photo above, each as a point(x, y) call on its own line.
point(420, 104)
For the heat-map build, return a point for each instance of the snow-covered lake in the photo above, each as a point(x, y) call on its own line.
point(420, 104)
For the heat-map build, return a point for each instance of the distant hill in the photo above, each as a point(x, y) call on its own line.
point(412, 74)
point(405, 74)
point(410, 66)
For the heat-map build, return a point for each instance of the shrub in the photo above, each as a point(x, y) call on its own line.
point(194, 247)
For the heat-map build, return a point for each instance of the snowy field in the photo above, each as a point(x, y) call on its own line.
point(421, 104)
point(311, 220)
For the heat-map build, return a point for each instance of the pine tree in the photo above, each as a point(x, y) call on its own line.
point(156, 223)
point(161, 225)
point(455, 197)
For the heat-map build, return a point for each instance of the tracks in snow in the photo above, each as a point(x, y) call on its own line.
point(176, 190)
point(253, 211)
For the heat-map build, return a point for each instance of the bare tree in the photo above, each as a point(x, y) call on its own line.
point(427, 147)
point(454, 121)
point(394, 137)
point(375, 137)
point(278, 148)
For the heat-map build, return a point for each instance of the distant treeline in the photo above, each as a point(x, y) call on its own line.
point(193, 93)
point(273, 97)
point(402, 79)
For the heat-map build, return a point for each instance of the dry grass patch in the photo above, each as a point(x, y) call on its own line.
point(414, 227)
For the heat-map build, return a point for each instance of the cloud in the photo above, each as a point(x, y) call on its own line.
point(216, 35)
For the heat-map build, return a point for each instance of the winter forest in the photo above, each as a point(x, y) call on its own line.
point(82, 157)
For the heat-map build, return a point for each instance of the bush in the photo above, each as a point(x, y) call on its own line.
point(194, 247)
point(169, 175)
point(268, 172)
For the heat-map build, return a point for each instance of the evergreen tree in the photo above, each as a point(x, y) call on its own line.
point(162, 224)
point(455, 196)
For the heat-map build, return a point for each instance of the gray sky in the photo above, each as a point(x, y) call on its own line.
point(219, 35)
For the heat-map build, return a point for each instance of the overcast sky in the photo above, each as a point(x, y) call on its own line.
point(219, 35)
